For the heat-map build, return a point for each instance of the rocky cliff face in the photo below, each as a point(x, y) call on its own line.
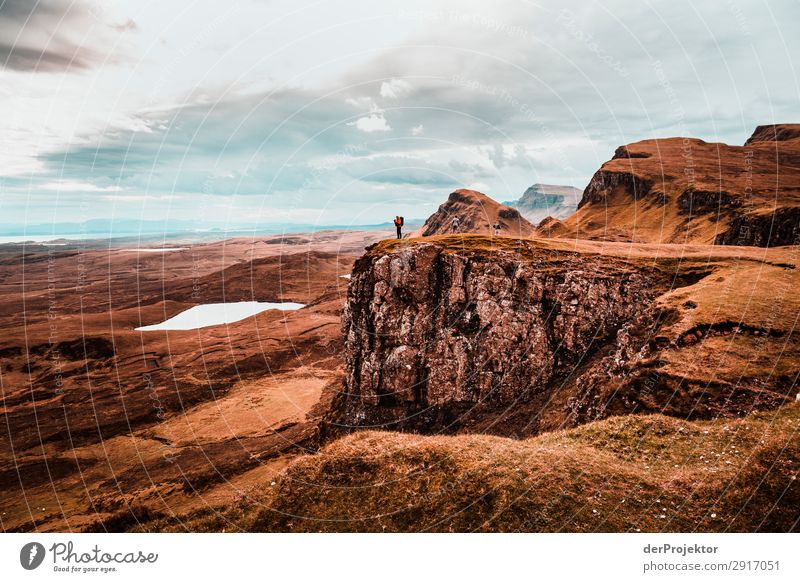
point(773, 133)
point(432, 333)
point(515, 337)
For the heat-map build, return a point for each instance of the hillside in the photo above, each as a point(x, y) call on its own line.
point(476, 213)
point(684, 190)
point(543, 200)
point(103, 424)
point(635, 473)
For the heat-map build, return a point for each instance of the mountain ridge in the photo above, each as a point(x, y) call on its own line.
point(685, 190)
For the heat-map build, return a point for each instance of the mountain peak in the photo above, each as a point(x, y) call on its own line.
point(470, 211)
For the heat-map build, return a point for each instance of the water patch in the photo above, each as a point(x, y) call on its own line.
point(217, 314)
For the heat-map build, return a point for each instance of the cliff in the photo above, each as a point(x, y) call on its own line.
point(683, 190)
point(461, 333)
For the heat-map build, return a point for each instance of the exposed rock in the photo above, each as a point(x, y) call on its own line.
point(431, 333)
point(777, 132)
point(470, 334)
point(471, 212)
point(604, 181)
point(763, 229)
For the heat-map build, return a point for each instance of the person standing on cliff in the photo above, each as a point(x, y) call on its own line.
point(496, 229)
point(398, 223)
point(456, 223)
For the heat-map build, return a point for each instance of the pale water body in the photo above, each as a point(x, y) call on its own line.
point(217, 314)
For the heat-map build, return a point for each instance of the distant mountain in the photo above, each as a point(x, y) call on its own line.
point(543, 200)
point(469, 211)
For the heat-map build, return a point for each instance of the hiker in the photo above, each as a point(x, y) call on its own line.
point(398, 223)
point(456, 223)
point(496, 229)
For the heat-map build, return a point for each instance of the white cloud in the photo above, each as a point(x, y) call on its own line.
point(139, 197)
point(371, 123)
point(185, 99)
point(362, 102)
point(395, 88)
point(74, 186)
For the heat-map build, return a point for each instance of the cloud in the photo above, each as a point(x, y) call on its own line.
point(394, 89)
point(505, 94)
point(363, 102)
point(73, 186)
point(54, 35)
point(139, 197)
point(371, 123)
point(508, 155)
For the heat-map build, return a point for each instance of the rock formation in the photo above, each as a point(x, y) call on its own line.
point(682, 190)
point(476, 213)
point(546, 200)
point(460, 332)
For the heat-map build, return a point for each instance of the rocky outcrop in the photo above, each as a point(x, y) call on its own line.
point(432, 333)
point(519, 336)
point(685, 190)
point(471, 212)
point(605, 181)
point(781, 227)
point(772, 133)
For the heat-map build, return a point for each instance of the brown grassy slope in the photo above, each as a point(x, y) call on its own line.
point(145, 421)
point(477, 214)
point(683, 190)
point(633, 473)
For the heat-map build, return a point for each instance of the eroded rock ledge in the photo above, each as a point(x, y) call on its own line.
point(435, 334)
point(515, 337)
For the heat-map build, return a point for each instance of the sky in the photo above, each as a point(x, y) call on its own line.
point(351, 112)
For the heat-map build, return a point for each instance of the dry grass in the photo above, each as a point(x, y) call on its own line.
point(633, 473)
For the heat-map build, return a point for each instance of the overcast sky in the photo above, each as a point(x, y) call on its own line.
point(349, 112)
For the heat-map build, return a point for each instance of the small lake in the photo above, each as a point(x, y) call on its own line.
point(217, 314)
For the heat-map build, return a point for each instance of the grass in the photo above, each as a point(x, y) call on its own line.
point(631, 473)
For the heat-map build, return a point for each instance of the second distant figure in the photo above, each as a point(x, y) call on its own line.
point(398, 223)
